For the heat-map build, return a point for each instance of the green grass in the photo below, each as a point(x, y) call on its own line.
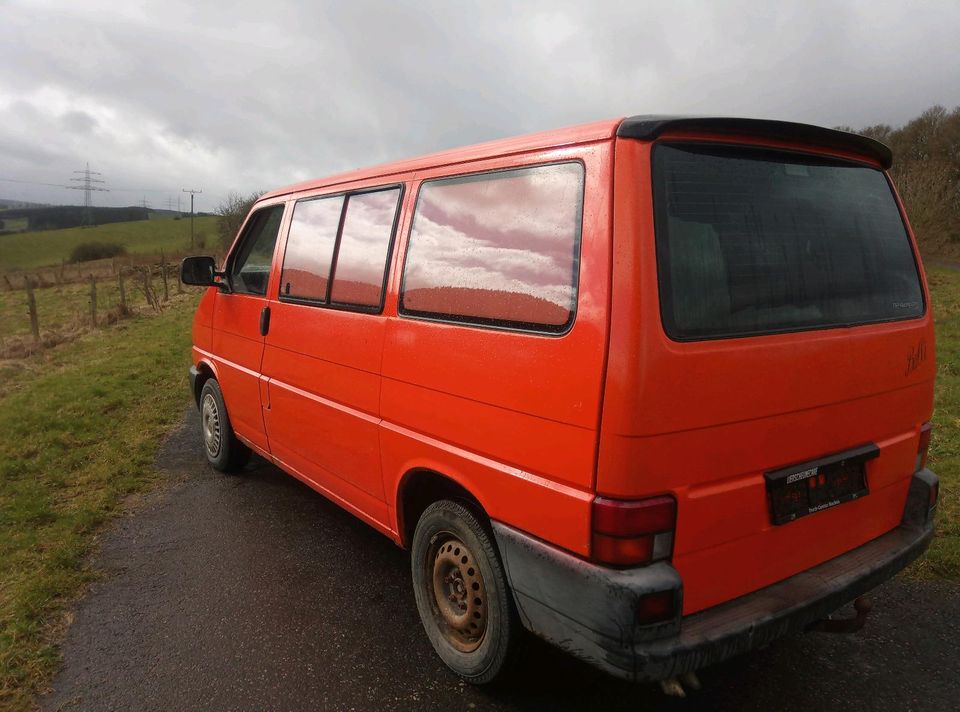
point(29, 250)
point(943, 558)
point(80, 425)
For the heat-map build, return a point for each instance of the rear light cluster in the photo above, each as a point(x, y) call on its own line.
point(923, 447)
point(633, 532)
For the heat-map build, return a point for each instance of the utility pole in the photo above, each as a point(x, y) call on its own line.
point(87, 181)
point(192, 192)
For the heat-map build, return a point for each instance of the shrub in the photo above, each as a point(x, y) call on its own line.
point(88, 251)
point(232, 212)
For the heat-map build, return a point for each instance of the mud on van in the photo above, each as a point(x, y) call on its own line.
point(656, 389)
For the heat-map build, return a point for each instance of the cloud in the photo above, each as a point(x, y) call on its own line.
point(246, 96)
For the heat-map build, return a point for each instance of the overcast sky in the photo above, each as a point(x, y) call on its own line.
point(159, 96)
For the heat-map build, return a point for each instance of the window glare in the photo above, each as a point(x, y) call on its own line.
point(497, 248)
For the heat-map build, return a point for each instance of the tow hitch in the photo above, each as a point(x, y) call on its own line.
point(674, 686)
point(862, 606)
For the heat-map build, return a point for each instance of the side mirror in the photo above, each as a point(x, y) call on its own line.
point(199, 271)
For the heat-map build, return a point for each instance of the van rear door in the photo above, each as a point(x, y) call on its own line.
point(769, 333)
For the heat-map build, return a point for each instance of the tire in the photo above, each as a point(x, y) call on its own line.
point(478, 634)
point(224, 451)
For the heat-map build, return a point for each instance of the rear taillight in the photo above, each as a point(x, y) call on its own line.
point(632, 532)
point(923, 447)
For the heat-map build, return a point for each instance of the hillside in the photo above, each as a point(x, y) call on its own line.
point(28, 250)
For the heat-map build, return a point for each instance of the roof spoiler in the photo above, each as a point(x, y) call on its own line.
point(648, 128)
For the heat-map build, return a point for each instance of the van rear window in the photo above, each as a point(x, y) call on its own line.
point(756, 241)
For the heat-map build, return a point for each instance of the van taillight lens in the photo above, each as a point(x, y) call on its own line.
point(632, 532)
point(924, 446)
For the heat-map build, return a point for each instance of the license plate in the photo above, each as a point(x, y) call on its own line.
point(809, 487)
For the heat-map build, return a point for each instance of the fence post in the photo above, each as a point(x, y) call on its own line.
point(93, 300)
point(163, 273)
point(148, 292)
point(123, 293)
point(32, 307)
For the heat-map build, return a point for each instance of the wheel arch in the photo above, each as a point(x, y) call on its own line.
point(422, 486)
point(205, 371)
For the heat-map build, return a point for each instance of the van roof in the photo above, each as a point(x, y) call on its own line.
point(644, 127)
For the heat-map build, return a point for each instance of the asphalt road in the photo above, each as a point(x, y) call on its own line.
point(253, 592)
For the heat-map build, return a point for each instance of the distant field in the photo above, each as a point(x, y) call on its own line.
point(13, 223)
point(29, 250)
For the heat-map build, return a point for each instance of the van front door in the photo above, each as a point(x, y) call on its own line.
point(239, 318)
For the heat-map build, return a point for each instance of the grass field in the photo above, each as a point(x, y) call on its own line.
point(80, 429)
point(81, 424)
point(29, 250)
point(943, 558)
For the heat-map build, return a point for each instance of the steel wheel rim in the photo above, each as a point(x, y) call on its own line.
point(210, 423)
point(458, 594)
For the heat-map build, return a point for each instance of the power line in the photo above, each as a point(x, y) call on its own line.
point(33, 182)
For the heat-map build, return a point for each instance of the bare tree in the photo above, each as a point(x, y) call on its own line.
point(232, 212)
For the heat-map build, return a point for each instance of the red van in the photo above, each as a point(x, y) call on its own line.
point(656, 389)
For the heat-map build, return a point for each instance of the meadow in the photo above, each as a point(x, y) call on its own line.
point(29, 250)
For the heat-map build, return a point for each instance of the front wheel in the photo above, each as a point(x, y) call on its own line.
point(224, 451)
point(462, 594)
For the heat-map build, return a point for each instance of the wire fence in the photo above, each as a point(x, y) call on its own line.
point(42, 308)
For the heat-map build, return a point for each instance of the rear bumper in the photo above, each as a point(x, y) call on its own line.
point(589, 610)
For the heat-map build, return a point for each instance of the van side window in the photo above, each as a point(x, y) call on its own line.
point(337, 249)
point(497, 249)
point(360, 268)
point(310, 245)
point(250, 266)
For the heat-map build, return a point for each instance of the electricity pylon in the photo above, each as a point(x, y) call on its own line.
point(87, 181)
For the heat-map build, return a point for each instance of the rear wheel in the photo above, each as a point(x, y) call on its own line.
point(224, 451)
point(462, 594)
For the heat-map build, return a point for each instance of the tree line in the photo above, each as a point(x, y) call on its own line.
point(57, 217)
point(926, 170)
